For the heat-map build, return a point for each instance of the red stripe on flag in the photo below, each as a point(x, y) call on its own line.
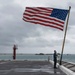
point(44, 24)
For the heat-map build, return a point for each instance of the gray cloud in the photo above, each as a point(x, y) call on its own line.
point(13, 30)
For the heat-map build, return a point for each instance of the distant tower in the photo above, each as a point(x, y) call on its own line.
point(14, 52)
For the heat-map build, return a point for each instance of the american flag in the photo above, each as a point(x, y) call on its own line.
point(46, 16)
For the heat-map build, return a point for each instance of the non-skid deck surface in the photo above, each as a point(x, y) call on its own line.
point(28, 68)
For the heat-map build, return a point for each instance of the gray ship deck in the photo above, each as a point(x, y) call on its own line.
point(28, 68)
point(69, 65)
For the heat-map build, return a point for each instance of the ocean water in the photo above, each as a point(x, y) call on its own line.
point(24, 57)
point(66, 57)
point(69, 57)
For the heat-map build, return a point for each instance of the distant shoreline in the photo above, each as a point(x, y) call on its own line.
point(43, 54)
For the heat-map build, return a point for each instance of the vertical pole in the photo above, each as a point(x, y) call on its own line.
point(14, 52)
point(64, 37)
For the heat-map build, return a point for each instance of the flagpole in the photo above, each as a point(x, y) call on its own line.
point(64, 37)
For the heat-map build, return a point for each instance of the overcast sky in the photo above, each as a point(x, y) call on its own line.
point(31, 38)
